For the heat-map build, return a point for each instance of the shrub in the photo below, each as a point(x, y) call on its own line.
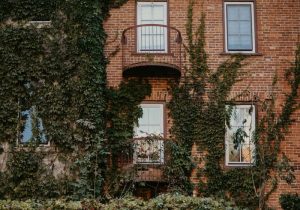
point(290, 201)
point(163, 202)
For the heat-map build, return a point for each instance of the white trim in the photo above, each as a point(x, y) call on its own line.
point(253, 125)
point(252, 27)
point(138, 21)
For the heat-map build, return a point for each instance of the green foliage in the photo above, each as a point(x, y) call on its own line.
point(198, 110)
point(122, 114)
point(61, 71)
point(40, 10)
point(162, 202)
point(178, 168)
point(27, 177)
point(290, 201)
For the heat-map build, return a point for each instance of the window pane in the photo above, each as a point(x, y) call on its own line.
point(234, 154)
point(155, 129)
point(232, 12)
point(241, 116)
point(233, 27)
point(233, 42)
point(245, 28)
point(146, 12)
point(30, 122)
point(246, 42)
point(155, 115)
point(27, 130)
point(142, 131)
point(158, 12)
point(247, 153)
point(245, 12)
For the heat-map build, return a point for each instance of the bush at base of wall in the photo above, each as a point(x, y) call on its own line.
point(290, 201)
point(163, 202)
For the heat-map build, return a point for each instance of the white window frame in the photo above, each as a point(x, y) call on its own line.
point(252, 27)
point(160, 142)
point(138, 21)
point(253, 124)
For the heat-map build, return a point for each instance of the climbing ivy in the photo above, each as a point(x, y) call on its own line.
point(198, 109)
point(60, 70)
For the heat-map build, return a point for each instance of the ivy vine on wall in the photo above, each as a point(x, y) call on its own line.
point(198, 110)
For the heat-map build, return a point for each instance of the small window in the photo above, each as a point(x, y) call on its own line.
point(40, 24)
point(32, 129)
point(152, 30)
point(239, 27)
point(151, 123)
point(238, 138)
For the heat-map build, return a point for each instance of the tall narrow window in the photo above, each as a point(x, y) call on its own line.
point(152, 31)
point(32, 129)
point(151, 123)
point(239, 142)
point(239, 27)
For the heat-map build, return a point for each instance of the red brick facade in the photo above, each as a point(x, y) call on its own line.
point(277, 32)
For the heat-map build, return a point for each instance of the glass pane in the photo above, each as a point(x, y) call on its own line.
point(145, 118)
point(155, 115)
point(246, 42)
point(234, 154)
point(232, 12)
point(158, 12)
point(245, 12)
point(30, 122)
point(155, 129)
point(247, 153)
point(245, 28)
point(233, 27)
point(233, 42)
point(26, 135)
point(241, 116)
point(142, 131)
point(146, 12)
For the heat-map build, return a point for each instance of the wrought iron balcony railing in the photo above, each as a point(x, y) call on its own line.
point(144, 158)
point(151, 44)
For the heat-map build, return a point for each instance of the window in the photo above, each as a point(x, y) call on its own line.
point(151, 123)
point(32, 129)
point(152, 38)
point(238, 139)
point(239, 27)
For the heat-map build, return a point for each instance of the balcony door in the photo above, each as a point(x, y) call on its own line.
point(152, 38)
point(150, 150)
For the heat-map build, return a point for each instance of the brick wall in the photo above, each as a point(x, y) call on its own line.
point(278, 29)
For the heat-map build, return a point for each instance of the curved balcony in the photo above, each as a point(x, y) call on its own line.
point(151, 50)
point(144, 160)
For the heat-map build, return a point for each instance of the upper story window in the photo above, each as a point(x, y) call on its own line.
point(152, 37)
point(239, 134)
point(151, 123)
point(239, 27)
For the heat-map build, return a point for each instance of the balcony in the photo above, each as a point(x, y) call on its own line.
point(151, 50)
point(144, 160)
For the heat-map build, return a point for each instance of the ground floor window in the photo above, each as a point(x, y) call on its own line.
point(32, 128)
point(149, 146)
point(239, 135)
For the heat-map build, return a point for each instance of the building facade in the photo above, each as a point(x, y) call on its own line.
point(151, 38)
